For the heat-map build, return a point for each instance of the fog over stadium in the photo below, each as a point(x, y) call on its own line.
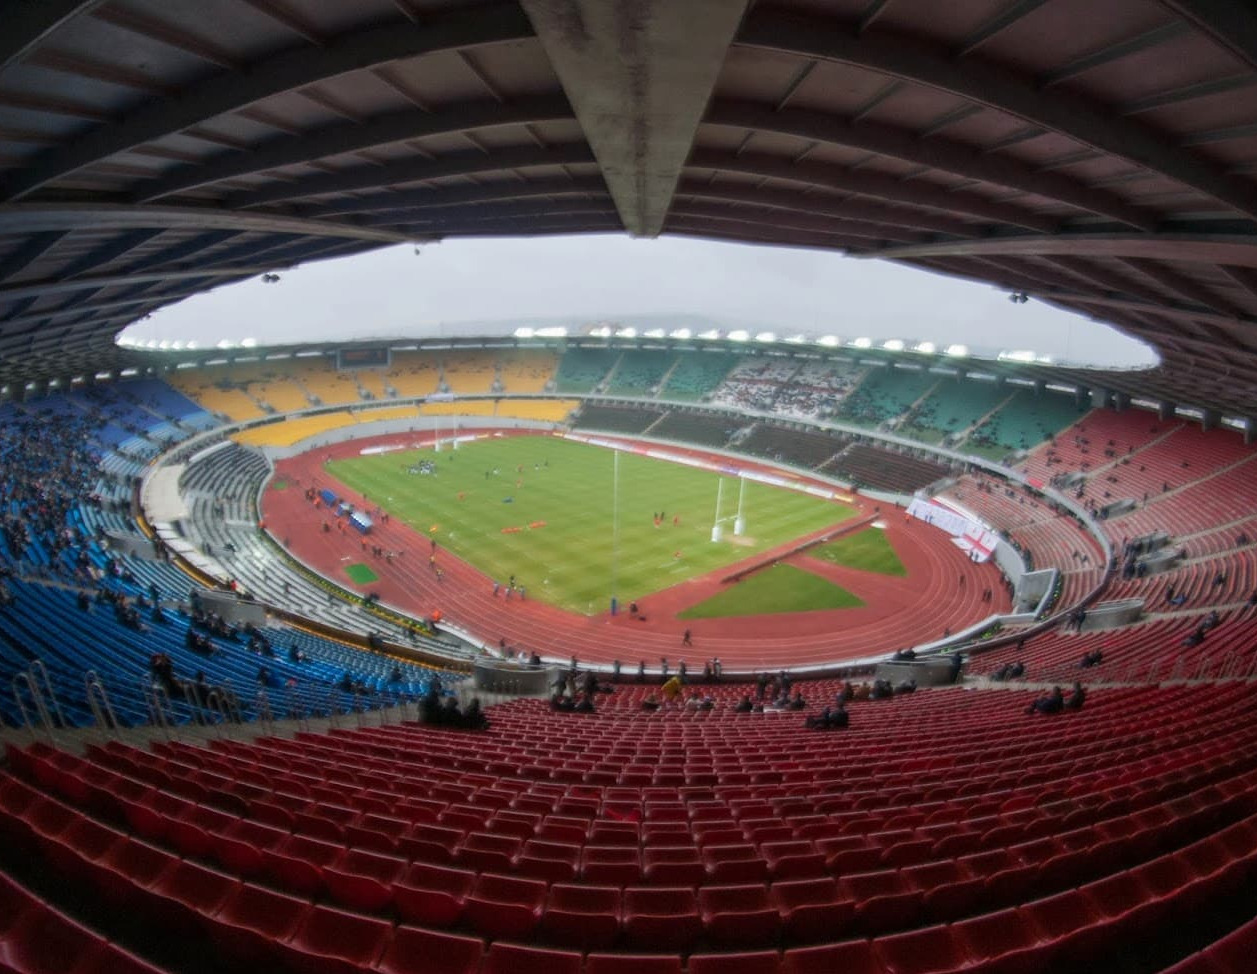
point(492, 286)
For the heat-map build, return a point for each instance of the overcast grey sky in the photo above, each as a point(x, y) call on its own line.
point(394, 293)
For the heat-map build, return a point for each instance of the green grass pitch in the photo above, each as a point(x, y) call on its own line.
point(514, 482)
point(361, 574)
point(867, 550)
point(778, 588)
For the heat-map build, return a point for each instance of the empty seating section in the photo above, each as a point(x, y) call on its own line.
point(817, 389)
point(640, 373)
point(704, 429)
point(1027, 420)
point(318, 377)
point(468, 373)
point(240, 390)
point(543, 410)
point(282, 396)
point(695, 375)
point(946, 831)
point(374, 382)
point(235, 404)
point(755, 383)
point(1149, 651)
point(882, 469)
point(800, 448)
point(1101, 437)
point(294, 429)
point(231, 479)
point(413, 373)
point(582, 369)
point(952, 408)
point(1222, 580)
point(617, 419)
point(1213, 500)
point(525, 371)
point(885, 394)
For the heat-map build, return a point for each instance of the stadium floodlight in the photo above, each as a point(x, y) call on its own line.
point(893, 345)
point(629, 332)
point(766, 336)
point(710, 335)
point(956, 351)
point(558, 331)
point(863, 343)
point(681, 333)
point(654, 333)
point(522, 332)
point(740, 335)
point(249, 343)
point(829, 341)
point(796, 339)
point(925, 348)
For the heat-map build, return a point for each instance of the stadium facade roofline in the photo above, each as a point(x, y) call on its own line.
point(1105, 165)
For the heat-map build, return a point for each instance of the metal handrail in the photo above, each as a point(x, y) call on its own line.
point(192, 694)
point(37, 703)
point(38, 669)
point(262, 710)
point(102, 709)
point(160, 708)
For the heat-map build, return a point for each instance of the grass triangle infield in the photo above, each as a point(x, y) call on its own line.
point(778, 588)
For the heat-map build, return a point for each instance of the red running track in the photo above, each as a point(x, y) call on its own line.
point(929, 601)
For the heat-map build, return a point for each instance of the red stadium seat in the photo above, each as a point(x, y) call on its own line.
point(848, 957)
point(333, 941)
point(415, 951)
point(661, 918)
point(518, 959)
point(760, 962)
point(504, 906)
point(738, 916)
point(812, 910)
point(582, 916)
point(362, 880)
point(1001, 943)
point(432, 895)
point(44, 939)
point(254, 921)
point(931, 950)
point(633, 964)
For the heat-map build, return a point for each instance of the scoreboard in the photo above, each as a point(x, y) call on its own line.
point(362, 358)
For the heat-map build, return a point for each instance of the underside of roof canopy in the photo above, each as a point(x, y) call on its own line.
point(1097, 156)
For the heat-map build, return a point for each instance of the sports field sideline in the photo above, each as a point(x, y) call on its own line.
point(541, 509)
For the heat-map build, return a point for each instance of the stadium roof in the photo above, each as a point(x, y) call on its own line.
point(1099, 156)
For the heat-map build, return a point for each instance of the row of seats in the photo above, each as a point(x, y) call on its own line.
point(1122, 870)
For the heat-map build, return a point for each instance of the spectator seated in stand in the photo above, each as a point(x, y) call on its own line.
point(1052, 703)
point(1076, 698)
point(831, 718)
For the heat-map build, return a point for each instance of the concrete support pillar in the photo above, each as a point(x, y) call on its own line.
point(1210, 419)
point(1099, 398)
point(1121, 401)
point(639, 74)
point(1165, 411)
